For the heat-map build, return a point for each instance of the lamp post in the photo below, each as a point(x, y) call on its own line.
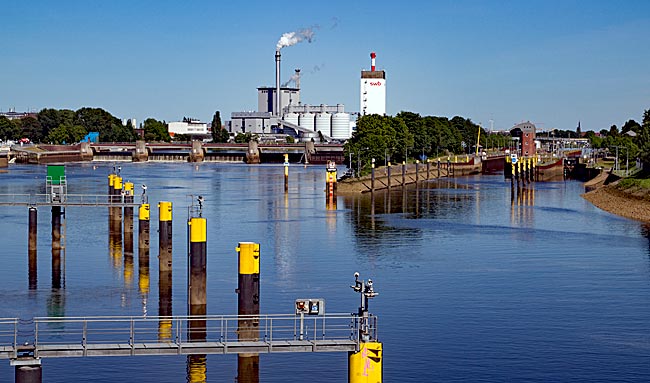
point(358, 164)
point(350, 163)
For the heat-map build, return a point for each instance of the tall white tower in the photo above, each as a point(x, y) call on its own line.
point(373, 90)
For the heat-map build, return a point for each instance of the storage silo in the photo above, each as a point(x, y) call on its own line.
point(291, 118)
point(324, 121)
point(341, 126)
point(306, 119)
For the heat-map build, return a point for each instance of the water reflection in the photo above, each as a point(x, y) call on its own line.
point(521, 208)
point(645, 231)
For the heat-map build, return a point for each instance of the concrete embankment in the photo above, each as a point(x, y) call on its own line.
point(364, 184)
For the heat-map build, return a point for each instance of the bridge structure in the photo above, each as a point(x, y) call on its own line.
point(195, 151)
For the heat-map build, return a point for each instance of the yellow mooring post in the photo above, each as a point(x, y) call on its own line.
point(197, 294)
point(143, 249)
point(164, 270)
point(248, 305)
point(365, 365)
point(117, 198)
point(128, 234)
point(330, 186)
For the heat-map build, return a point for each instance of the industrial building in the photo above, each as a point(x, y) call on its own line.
point(373, 90)
point(525, 131)
point(188, 126)
point(280, 111)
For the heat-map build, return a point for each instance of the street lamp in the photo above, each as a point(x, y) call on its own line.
point(358, 164)
point(350, 163)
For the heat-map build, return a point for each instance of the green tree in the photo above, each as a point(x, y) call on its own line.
point(32, 129)
point(110, 128)
point(66, 134)
point(219, 134)
point(643, 139)
point(243, 138)
point(8, 129)
point(155, 130)
point(375, 137)
point(630, 125)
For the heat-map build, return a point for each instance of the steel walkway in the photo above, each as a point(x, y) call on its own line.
point(87, 200)
point(180, 335)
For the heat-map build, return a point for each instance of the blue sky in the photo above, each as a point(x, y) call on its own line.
point(551, 62)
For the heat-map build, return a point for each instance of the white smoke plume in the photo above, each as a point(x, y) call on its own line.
point(293, 79)
point(292, 38)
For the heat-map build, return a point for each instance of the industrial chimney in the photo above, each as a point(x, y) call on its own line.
point(277, 110)
point(372, 61)
point(298, 78)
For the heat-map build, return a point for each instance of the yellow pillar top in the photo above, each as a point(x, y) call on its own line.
point(110, 179)
point(128, 188)
point(198, 229)
point(117, 183)
point(143, 212)
point(249, 257)
point(165, 211)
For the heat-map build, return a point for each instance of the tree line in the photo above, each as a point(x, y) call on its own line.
point(59, 126)
point(408, 136)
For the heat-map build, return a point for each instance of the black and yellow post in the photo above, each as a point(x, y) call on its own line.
point(164, 269)
point(110, 187)
point(286, 173)
point(56, 247)
point(330, 185)
point(197, 268)
point(111, 191)
point(117, 198)
point(32, 248)
point(128, 234)
point(403, 173)
point(143, 251)
point(115, 222)
point(197, 291)
point(248, 290)
point(417, 171)
point(365, 365)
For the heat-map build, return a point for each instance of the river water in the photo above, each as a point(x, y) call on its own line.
point(473, 284)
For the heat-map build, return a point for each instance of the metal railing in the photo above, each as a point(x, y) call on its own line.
point(179, 329)
point(84, 336)
point(67, 200)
